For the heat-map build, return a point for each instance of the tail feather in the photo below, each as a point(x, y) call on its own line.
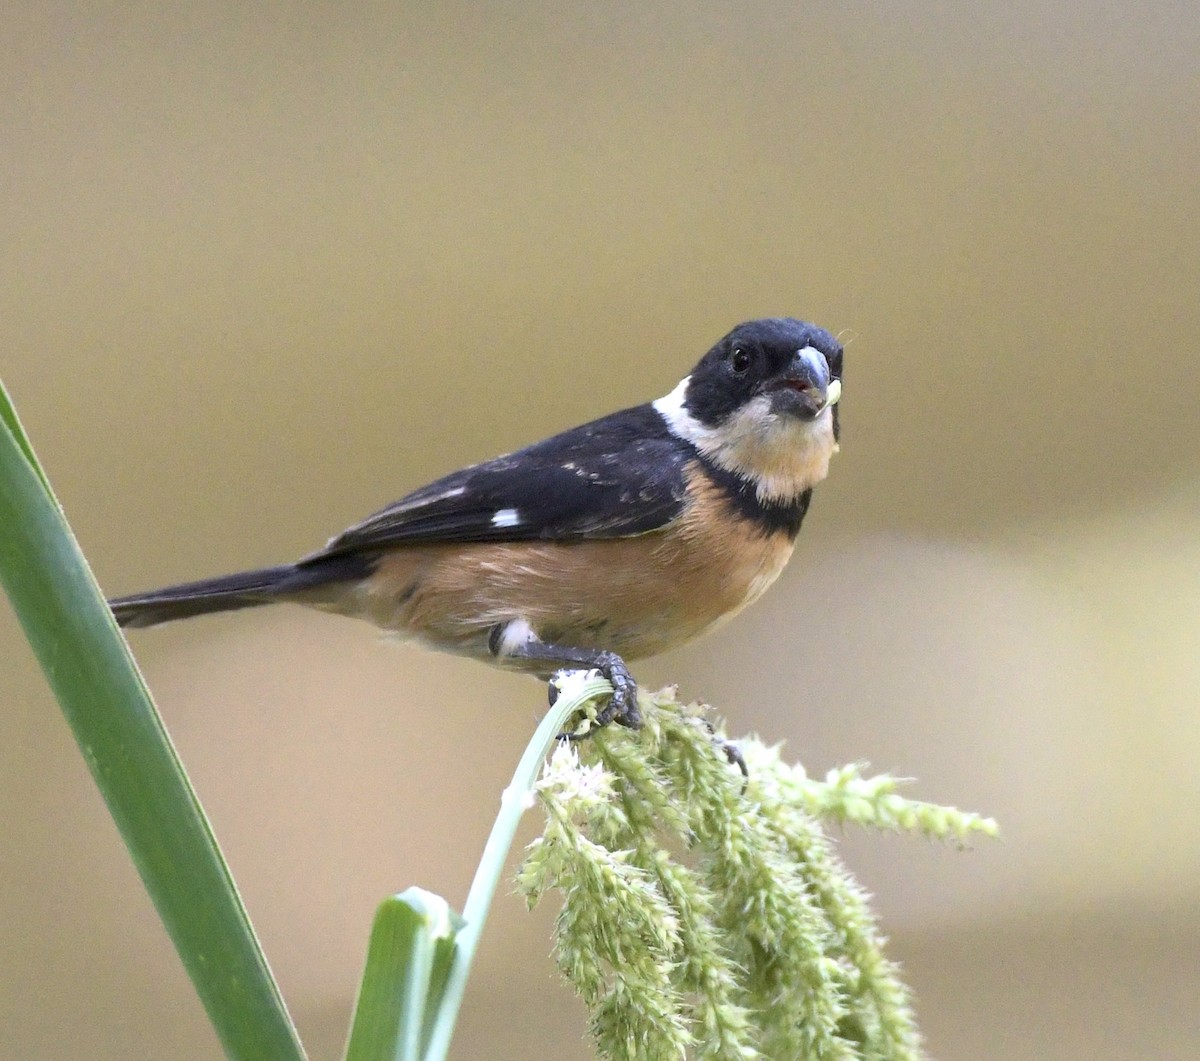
point(246, 589)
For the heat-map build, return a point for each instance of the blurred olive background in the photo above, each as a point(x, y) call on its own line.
point(267, 267)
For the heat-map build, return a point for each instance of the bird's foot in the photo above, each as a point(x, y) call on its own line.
point(622, 707)
point(733, 753)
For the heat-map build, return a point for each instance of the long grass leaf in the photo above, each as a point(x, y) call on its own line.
point(109, 709)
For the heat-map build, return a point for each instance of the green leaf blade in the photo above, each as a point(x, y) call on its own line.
point(407, 959)
point(116, 726)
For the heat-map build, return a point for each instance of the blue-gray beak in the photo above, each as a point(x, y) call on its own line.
point(805, 389)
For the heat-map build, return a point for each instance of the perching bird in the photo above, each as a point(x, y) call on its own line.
point(607, 543)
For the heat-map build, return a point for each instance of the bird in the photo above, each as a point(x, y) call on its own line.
point(602, 545)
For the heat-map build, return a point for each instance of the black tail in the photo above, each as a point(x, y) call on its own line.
point(247, 589)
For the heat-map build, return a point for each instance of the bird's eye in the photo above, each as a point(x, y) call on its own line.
point(739, 360)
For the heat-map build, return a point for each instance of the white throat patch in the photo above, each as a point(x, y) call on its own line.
point(781, 455)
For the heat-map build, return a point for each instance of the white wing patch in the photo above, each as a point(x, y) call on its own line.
point(506, 517)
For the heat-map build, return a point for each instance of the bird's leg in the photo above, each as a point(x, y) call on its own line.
point(517, 640)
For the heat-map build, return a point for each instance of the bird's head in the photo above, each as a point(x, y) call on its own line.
point(763, 403)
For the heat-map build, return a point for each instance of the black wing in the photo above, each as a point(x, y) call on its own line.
point(615, 477)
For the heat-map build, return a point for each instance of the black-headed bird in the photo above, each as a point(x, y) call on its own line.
point(607, 543)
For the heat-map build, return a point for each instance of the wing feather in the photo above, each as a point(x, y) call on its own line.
point(615, 477)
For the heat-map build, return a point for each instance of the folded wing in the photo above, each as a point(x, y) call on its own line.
point(615, 477)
